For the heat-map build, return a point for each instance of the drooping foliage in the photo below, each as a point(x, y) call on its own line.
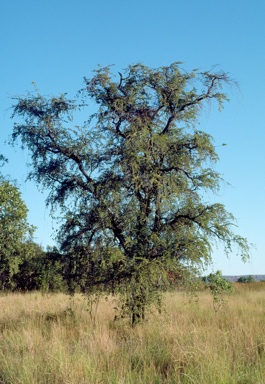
point(131, 179)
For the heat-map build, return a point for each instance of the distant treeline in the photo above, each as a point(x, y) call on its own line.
point(37, 269)
point(245, 278)
point(51, 271)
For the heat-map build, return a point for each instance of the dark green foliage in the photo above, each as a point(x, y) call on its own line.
point(24, 266)
point(3, 160)
point(40, 270)
point(131, 180)
point(27, 277)
point(14, 232)
point(246, 279)
point(52, 271)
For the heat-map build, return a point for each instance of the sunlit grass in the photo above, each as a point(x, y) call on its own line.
point(51, 339)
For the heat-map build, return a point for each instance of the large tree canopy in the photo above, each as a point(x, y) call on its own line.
point(131, 180)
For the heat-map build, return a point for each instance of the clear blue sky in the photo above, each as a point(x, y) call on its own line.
point(57, 42)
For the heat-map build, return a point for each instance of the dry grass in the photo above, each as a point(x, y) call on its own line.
point(47, 339)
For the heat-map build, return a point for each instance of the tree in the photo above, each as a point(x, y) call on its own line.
point(131, 180)
point(40, 270)
point(246, 279)
point(14, 231)
point(27, 276)
point(219, 286)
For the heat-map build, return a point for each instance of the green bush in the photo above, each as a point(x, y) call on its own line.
point(218, 286)
point(246, 279)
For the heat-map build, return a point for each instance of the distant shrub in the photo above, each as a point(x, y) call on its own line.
point(246, 279)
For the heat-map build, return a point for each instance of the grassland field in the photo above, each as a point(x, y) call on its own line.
point(51, 339)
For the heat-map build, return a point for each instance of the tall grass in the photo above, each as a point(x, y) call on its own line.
point(49, 339)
